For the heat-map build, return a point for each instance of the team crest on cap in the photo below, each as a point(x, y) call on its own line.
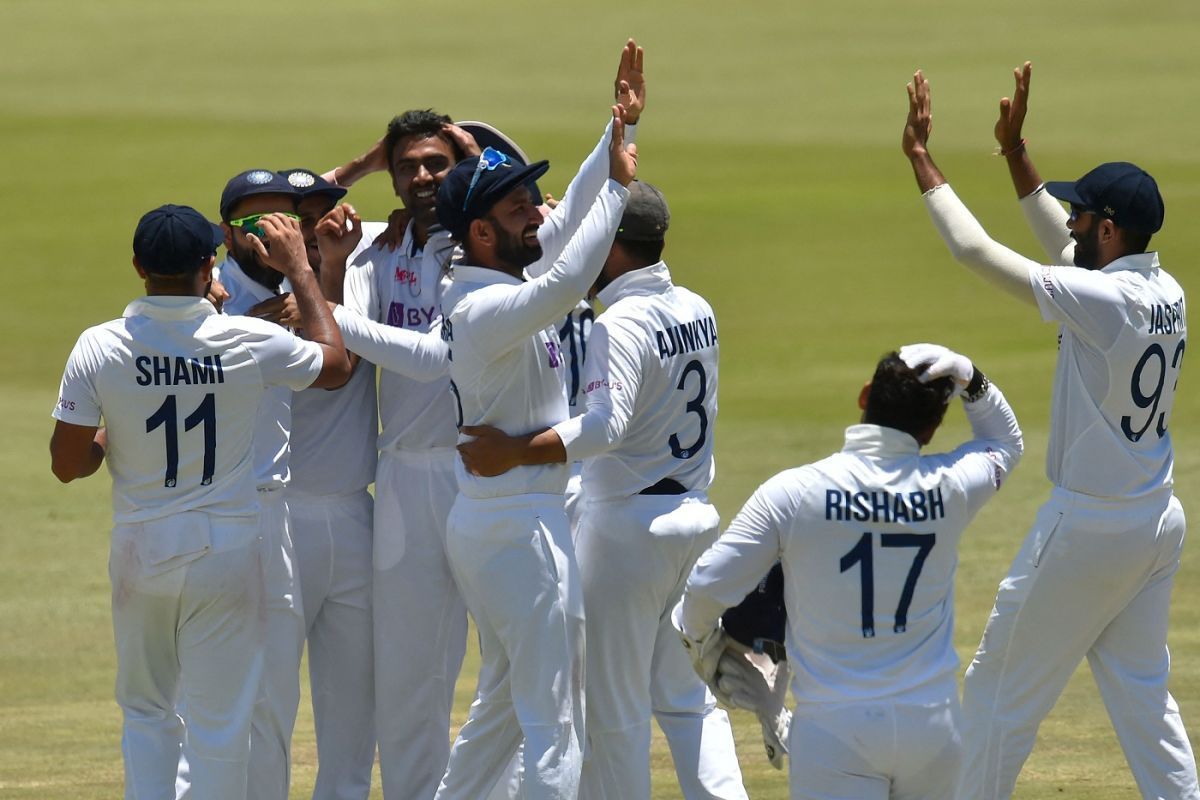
point(260, 176)
point(301, 180)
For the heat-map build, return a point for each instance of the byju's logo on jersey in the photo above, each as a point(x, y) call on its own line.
point(555, 352)
point(414, 317)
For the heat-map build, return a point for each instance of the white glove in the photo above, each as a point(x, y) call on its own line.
point(706, 651)
point(751, 682)
point(932, 361)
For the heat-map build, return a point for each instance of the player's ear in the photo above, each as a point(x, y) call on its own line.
point(141, 272)
point(481, 230)
point(225, 226)
point(863, 394)
point(1108, 231)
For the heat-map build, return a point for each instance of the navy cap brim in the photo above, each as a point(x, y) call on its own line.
point(218, 236)
point(488, 136)
point(1065, 191)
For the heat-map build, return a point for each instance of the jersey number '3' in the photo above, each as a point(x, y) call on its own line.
point(862, 554)
point(1154, 353)
point(206, 414)
point(694, 406)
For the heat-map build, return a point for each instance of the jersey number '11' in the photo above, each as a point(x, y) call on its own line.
point(863, 555)
point(205, 414)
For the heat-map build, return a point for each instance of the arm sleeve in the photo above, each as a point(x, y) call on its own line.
point(971, 246)
point(498, 319)
point(421, 356)
point(1087, 301)
point(283, 358)
point(359, 286)
point(726, 572)
point(566, 217)
point(1048, 221)
point(78, 402)
point(610, 383)
point(984, 463)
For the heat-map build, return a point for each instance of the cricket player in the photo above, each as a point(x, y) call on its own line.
point(868, 540)
point(177, 386)
point(249, 280)
point(330, 510)
point(646, 442)
point(507, 537)
point(1094, 575)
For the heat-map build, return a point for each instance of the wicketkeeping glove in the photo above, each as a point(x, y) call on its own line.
point(706, 651)
point(752, 682)
point(932, 361)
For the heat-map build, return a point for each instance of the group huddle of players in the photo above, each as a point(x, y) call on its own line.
point(545, 469)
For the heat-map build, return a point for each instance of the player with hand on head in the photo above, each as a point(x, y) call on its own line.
point(1094, 575)
point(868, 540)
point(177, 386)
point(507, 537)
point(646, 443)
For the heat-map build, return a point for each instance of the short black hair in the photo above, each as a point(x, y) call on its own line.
point(897, 398)
point(645, 253)
point(416, 122)
point(1135, 242)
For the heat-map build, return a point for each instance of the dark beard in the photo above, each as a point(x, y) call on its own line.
point(255, 270)
point(1087, 248)
point(512, 250)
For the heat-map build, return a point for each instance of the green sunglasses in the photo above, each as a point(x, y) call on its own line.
point(249, 224)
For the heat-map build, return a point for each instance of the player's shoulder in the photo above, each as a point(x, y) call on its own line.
point(792, 486)
point(97, 340)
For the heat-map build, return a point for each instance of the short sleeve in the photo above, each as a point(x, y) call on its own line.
point(78, 402)
point(285, 359)
point(1087, 301)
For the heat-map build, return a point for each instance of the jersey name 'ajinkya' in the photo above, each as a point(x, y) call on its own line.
point(843, 506)
point(1167, 318)
point(179, 370)
point(686, 338)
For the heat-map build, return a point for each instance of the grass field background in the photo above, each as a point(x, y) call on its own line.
point(773, 128)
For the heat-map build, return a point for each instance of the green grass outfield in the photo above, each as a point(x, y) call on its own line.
point(773, 128)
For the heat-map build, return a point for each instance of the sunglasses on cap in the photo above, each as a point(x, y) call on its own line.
point(1078, 211)
point(489, 159)
point(249, 223)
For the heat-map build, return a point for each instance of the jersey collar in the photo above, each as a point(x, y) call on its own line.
point(1137, 261)
point(879, 442)
point(169, 307)
point(654, 279)
point(469, 274)
point(237, 281)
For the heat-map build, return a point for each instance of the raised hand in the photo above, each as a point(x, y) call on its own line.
point(920, 117)
point(281, 309)
point(630, 83)
point(1012, 111)
point(464, 141)
point(622, 158)
point(286, 252)
point(338, 233)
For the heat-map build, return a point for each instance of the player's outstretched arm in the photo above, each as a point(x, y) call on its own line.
point(76, 451)
point(1024, 175)
point(287, 255)
point(915, 140)
point(354, 170)
point(420, 356)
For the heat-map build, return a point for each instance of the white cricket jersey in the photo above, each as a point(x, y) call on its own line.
point(333, 431)
point(574, 334)
point(273, 432)
point(650, 385)
point(178, 386)
point(506, 361)
point(868, 538)
point(1121, 340)
point(404, 289)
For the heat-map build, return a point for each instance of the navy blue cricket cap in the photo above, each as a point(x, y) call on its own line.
point(309, 183)
point(175, 240)
point(1121, 191)
point(486, 135)
point(251, 182)
point(475, 184)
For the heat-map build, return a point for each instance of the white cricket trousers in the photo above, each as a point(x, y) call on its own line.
point(884, 750)
point(187, 602)
point(516, 567)
point(635, 555)
point(420, 620)
point(279, 691)
point(1093, 578)
point(332, 536)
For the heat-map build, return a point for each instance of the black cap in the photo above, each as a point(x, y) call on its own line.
point(175, 240)
point(494, 174)
point(646, 216)
point(309, 183)
point(1121, 191)
point(251, 182)
point(486, 135)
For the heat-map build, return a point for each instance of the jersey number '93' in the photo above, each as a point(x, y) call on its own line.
point(1155, 356)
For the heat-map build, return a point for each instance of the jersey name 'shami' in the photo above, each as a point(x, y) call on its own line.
point(181, 370)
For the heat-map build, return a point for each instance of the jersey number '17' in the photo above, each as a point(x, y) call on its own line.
point(863, 555)
point(167, 416)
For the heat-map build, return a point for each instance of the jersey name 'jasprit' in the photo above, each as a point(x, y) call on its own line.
point(179, 370)
point(843, 506)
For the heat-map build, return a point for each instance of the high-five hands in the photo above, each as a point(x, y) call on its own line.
point(1012, 111)
point(622, 158)
point(630, 84)
point(919, 124)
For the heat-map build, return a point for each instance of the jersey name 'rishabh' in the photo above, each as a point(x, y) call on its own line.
point(179, 370)
point(687, 337)
point(882, 506)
